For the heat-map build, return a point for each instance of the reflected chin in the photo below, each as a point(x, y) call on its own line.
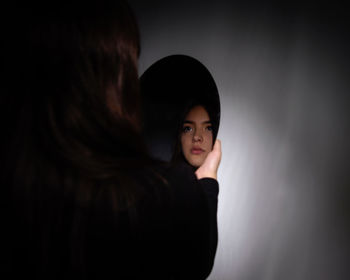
point(195, 161)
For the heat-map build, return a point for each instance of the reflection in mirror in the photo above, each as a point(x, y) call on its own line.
point(181, 109)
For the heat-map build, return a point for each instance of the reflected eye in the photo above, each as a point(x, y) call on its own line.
point(186, 129)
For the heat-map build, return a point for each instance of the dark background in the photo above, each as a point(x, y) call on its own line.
point(282, 74)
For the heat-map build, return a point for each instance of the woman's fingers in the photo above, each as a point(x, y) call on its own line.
point(210, 166)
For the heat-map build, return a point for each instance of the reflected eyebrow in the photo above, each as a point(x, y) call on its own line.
point(192, 122)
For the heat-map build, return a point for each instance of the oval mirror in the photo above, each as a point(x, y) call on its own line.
point(170, 88)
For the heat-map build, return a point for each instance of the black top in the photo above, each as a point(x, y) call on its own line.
point(170, 234)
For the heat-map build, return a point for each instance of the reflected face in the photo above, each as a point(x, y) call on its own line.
point(196, 136)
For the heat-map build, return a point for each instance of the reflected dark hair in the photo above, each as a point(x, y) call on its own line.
point(73, 122)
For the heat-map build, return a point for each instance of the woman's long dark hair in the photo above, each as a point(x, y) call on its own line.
point(72, 122)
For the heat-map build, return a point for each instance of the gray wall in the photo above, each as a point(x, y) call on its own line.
point(282, 75)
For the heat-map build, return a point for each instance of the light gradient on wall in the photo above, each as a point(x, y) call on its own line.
point(283, 82)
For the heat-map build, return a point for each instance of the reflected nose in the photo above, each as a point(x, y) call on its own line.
point(197, 137)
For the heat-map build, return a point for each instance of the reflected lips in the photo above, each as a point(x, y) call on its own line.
point(197, 151)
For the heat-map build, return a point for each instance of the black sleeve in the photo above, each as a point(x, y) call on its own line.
point(211, 189)
point(195, 203)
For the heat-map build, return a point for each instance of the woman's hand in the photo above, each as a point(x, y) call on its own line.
point(210, 166)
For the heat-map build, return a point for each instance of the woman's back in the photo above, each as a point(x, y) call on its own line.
point(165, 233)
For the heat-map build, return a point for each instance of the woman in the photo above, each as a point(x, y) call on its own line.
point(82, 198)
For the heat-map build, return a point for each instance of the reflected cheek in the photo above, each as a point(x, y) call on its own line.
point(185, 143)
point(208, 140)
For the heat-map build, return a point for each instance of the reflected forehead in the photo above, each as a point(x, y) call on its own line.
point(197, 114)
